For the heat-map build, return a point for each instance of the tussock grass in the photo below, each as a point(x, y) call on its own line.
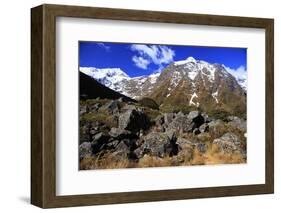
point(106, 161)
point(152, 161)
point(213, 155)
point(187, 157)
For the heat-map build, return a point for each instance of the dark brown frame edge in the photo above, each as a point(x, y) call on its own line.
point(43, 105)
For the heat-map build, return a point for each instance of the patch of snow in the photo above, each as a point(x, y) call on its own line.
point(194, 95)
point(188, 60)
point(209, 68)
point(175, 79)
point(153, 77)
point(192, 74)
point(215, 96)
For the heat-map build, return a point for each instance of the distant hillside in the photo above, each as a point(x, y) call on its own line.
point(89, 88)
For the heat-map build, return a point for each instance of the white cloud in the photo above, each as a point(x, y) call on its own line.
point(240, 74)
point(102, 45)
point(157, 54)
point(140, 62)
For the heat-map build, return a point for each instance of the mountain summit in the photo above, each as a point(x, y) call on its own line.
point(195, 83)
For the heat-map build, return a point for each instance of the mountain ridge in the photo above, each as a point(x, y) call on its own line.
point(185, 83)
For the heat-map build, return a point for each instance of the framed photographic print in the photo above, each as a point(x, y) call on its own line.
point(136, 106)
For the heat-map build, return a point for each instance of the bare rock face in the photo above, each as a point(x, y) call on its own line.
point(228, 143)
point(133, 120)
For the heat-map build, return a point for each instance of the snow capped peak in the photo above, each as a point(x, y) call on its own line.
point(188, 60)
point(110, 77)
point(104, 72)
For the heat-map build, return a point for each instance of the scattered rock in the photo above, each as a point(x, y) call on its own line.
point(120, 134)
point(84, 131)
point(85, 150)
point(196, 118)
point(182, 142)
point(121, 99)
point(99, 141)
point(84, 109)
point(185, 153)
point(112, 144)
point(122, 146)
point(193, 114)
point(238, 123)
point(133, 120)
point(181, 124)
point(139, 152)
point(205, 136)
point(207, 119)
point(159, 120)
point(202, 147)
point(112, 107)
point(216, 125)
point(95, 107)
point(196, 131)
point(168, 117)
point(131, 143)
point(130, 135)
point(228, 143)
point(204, 128)
point(159, 144)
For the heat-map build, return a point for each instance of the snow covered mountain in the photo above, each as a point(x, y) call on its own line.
point(195, 83)
point(186, 83)
point(110, 77)
point(118, 80)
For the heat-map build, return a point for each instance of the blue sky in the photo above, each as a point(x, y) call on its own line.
point(144, 59)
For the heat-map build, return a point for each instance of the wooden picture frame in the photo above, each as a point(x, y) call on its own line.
point(43, 105)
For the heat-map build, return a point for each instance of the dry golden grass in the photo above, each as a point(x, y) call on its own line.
point(213, 155)
point(187, 157)
point(104, 162)
point(152, 161)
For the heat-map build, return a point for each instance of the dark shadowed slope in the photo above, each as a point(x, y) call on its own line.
point(90, 88)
